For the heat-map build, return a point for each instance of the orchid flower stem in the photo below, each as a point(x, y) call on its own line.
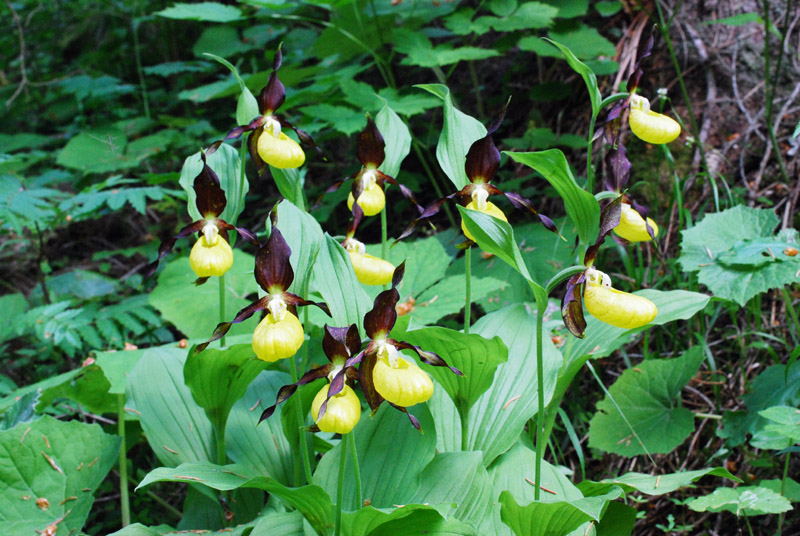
point(463, 413)
point(468, 287)
point(351, 438)
point(383, 234)
point(340, 487)
point(222, 305)
point(298, 405)
point(541, 307)
point(124, 499)
point(783, 490)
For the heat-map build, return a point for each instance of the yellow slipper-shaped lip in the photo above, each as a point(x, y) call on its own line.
point(651, 126)
point(631, 226)
point(614, 307)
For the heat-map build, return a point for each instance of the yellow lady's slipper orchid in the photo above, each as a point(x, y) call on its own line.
point(277, 149)
point(398, 380)
point(370, 270)
point(651, 126)
point(342, 412)
point(211, 258)
point(614, 307)
point(632, 227)
point(372, 200)
point(480, 203)
point(278, 336)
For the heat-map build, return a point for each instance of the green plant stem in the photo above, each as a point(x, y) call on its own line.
point(384, 233)
point(589, 164)
point(541, 307)
point(168, 507)
point(792, 313)
point(219, 435)
point(463, 413)
point(664, 28)
point(222, 305)
point(769, 89)
point(783, 491)
point(137, 50)
point(351, 438)
point(340, 487)
point(478, 95)
point(124, 499)
point(468, 288)
point(298, 405)
point(749, 528)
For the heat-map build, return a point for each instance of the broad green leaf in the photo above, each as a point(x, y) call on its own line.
point(304, 236)
point(447, 297)
point(175, 426)
point(23, 410)
point(582, 208)
point(420, 51)
point(218, 378)
point(62, 462)
point(262, 446)
point(246, 105)
point(426, 263)
point(97, 151)
point(546, 519)
point(500, 414)
point(736, 254)
point(785, 421)
point(475, 356)
point(496, 237)
point(332, 273)
point(407, 520)
point(384, 440)
point(339, 118)
point(608, 8)
point(648, 397)
point(290, 184)
point(226, 164)
point(791, 491)
point(775, 386)
point(514, 472)
point(568, 9)
point(744, 500)
point(397, 137)
point(459, 478)
point(280, 521)
point(205, 11)
point(194, 310)
point(527, 16)
point(283, 523)
point(311, 501)
point(653, 484)
point(117, 365)
point(12, 305)
point(459, 132)
point(85, 385)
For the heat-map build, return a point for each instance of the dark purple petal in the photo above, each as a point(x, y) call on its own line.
point(273, 270)
point(618, 168)
point(272, 96)
point(429, 211)
point(609, 218)
point(167, 245)
point(371, 145)
point(341, 342)
point(428, 357)
point(222, 225)
point(252, 148)
point(643, 212)
point(201, 281)
point(407, 193)
point(223, 327)
point(643, 50)
point(572, 306)
point(210, 197)
point(397, 275)
point(287, 391)
point(483, 160)
point(293, 300)
point(371, 395)
point(414, 421)
point(381, 319)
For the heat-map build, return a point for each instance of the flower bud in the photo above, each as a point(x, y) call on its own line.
point(614, 307)
point(372, 200)
point(212, 256)
point(279, 150)
point(276, 339)
point(650, 126)
point(491, 209)
point(342, 412)
point(404, 383)
point(631, 226)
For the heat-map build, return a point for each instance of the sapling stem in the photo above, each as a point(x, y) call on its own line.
point(356, 470)
point(124, 499)
point(468, 288)
point(340, 487)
